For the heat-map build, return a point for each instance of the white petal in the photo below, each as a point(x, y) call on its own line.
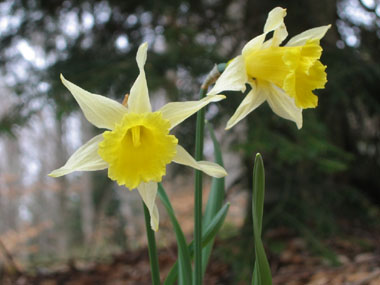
point(233, 77)
point(148, 193)
point(210, 168)
point(253, 100)
point(312, 34)
point(279, 35)
point(100, 111)
point(284, 105)
point(275, 19)
point(177, 112)
point(86, 158)
point(255, 43)
point(138, 101)
point(275, 22)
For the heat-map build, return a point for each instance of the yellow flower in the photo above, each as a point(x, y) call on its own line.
point(284, 76)
point(137, 145)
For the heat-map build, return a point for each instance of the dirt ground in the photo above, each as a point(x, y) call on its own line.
point(296, 263)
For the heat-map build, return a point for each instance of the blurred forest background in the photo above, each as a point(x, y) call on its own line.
point(322, 181)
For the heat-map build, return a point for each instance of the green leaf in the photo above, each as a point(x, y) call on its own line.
point(261, 272)
point(215, 199)
point(208, 236)
point(185, 270)
point(152, 249)
point(215, 225)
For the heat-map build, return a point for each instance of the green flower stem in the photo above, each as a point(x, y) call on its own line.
point(153, 259)
point(198, 194)
point(199, 137)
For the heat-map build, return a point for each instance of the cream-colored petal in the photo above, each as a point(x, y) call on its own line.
point(233, 77)
point(100, 111)
point(254, 44)
point(148, 193)
point(210, 168)
point(177, 112)
point(275, 22)
point(311, 34)
point(138, 101)
point(275, 19)
point(284, 105)
point(86, 158)
point(279, 35)
point(253, 100)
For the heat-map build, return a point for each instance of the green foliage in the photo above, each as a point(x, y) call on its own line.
point(215, 200)
point(184, 261)
point(208, 237)
point(152, 249)
point(261, 271)
point(298, 163)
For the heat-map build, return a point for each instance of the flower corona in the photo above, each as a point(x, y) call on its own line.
point(138, 149)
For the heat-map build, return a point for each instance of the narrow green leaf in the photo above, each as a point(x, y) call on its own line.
point(153, 258)
point(215, 199)
point(208, 236)
point(215, 225)
point(261, 273)
point(198, 190)
point(185, 270)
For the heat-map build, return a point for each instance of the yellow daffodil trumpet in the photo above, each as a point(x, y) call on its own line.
point(284, 76)
point(137, 145)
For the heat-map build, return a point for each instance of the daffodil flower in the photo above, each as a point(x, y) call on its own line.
point(284, 76)
point(137, 145)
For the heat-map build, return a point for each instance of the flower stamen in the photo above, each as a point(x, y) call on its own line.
point(125, 100)
point(136, 136)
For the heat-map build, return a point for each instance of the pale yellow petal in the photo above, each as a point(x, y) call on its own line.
point(138, 101)
point(254, 44)
point(155, 218)
point(275, 22)
point(86, 158)
point(210, 168)
point(253, 100)
point(279, 35)
point(275, 19)
point(312, 34)
point(100, 111)
point(148, 193)
point(283, 105)
point(233, 77)
point(177, 112)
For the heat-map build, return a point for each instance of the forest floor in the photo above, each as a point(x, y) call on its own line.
point(295, 265)
point(352, 258)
